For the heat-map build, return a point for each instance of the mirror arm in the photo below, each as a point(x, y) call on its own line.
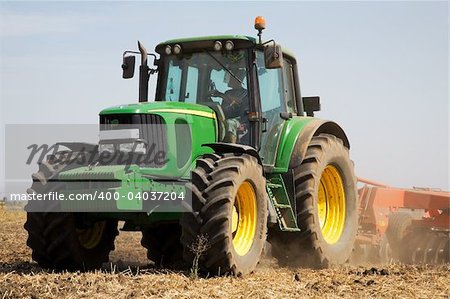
point(261, 46)
point(269, 41)
point(135, 52)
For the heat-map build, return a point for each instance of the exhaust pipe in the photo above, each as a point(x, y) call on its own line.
point(144, 74)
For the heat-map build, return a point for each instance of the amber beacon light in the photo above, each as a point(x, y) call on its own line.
point(260, 25)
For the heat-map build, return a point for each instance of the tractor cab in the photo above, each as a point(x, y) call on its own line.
point(214, 78)
point(251, 86)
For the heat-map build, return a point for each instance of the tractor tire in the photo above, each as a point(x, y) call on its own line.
point(163, 244)
point(326, 204)
point(57, 239)
point(229, 212)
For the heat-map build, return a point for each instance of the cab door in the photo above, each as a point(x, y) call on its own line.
point(277, 94)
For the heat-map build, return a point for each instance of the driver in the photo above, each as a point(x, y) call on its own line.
point(234, 102)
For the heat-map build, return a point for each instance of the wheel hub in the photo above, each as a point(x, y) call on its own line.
point(244, 219)
point(90, 237)
point(331, 205)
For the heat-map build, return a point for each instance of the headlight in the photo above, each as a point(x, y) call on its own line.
point(217, 46)
point(106, 148)
point(140, 148)
point(168, 50)
point(136, 147)
point(126, 147)
point(229, 45)
point(177, 49)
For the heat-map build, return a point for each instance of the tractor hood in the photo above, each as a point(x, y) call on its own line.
point(161, 108)
point(177, 129)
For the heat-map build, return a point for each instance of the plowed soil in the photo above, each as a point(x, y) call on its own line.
point(130, 276)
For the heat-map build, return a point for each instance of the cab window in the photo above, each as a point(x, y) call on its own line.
point(191, 85)
point(289, 91)
point(272, 96)
point(270, 87)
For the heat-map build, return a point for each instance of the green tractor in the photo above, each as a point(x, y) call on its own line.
point(237, 145)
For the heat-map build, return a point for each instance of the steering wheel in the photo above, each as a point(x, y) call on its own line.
point(214, 93)
point(228, 104)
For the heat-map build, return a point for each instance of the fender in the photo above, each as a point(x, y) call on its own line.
point(222, 147)
point(296, 136)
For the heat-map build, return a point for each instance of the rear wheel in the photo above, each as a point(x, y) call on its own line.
point(326, 198)
point(229, 209)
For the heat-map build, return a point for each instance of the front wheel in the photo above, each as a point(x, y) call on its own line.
point(58, 242)
point(61, 240)
point(229, 210)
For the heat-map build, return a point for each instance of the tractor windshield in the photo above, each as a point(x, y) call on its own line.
point(216, 79)
point(204, 77)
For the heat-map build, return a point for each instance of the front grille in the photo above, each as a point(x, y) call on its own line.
point(151, 128)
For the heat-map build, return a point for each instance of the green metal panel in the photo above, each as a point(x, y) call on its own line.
point(296, 135)
point(148, 107)
point(201, 120)
point(289, 135)
point(126, 197)
point(132, 179)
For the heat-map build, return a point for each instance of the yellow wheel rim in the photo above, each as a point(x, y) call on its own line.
point(244, 219)
point(331, 205)
point(90, 237)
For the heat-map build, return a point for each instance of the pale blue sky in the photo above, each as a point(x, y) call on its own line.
point(381, 68)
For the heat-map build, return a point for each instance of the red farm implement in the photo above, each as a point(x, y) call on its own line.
point(407, 225)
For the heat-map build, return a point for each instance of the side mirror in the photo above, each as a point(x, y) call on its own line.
point(128, 67)
point(311, 104)
point(273, 56)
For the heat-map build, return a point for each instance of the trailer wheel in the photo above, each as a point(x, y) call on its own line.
point(163, 244)
point(385, 252)
point(229, 209)
point(60, 240)
point(424, 246)
point(326, 200)
point(398, 224)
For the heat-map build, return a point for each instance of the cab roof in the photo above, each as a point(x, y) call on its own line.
point(244, 39)
point(209, 38)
